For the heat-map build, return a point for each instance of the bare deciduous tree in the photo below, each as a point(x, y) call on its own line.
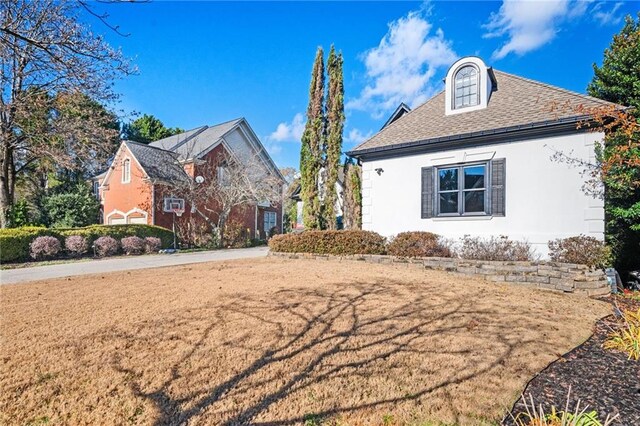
point(55, 75)
point(225, 182)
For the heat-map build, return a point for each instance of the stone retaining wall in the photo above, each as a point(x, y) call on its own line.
point(564, 277)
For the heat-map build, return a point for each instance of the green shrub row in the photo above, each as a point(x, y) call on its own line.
point(329, 242)
point(418, 244)
point(580, 249)
point(14, 242)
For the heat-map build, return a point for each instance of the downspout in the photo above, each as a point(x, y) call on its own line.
point(153, 204)
point(282, 195)
point(256, 235)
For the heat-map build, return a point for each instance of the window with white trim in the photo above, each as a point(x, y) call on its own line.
point(269, 221)
point(462, 190)
point(126, 170)
point(465, 87)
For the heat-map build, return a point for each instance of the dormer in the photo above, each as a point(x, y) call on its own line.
point(469, 84)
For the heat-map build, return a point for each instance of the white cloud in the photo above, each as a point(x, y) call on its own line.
point(402, 66)
point(356, 136)
point(529, 25)
point(289, 132)
point(607, 17)
point(273, 148)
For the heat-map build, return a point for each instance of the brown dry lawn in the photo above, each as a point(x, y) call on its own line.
point(277, 342)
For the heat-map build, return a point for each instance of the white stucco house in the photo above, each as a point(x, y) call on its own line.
point(476, 159)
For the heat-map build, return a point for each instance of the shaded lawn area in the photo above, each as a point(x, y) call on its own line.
point(278, 342)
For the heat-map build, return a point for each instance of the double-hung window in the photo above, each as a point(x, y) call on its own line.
point(462, 190)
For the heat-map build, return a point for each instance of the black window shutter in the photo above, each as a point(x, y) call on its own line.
point(498, 181)
point(427, 192)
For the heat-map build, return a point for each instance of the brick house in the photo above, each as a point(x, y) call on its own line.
point(141, 182)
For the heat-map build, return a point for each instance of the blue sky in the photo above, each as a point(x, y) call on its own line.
point(208, 62)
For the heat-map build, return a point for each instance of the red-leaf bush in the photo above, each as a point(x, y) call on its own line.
point(418, 244)
point(152, 244)
point(105, 246)
point(77, 245)
point(132, 245)
point(580, 249)
point(44, 247)
point(329, 242)
point(495, 248)
point(14, 242)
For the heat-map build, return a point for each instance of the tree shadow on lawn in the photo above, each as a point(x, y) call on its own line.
point(354, 352)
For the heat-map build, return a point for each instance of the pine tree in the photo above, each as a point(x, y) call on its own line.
point(335, 126)
point(312, 144)
point(618, 79)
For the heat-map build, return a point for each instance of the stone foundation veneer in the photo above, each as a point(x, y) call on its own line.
point(561, 277)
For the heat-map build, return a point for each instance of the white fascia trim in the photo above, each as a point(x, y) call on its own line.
point(113, 212)
point(126, 215)
point(105, 181)
point(205, 152)
point(253, 138)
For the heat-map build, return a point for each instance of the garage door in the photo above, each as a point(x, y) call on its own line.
point(142, 220)
point(117, 221)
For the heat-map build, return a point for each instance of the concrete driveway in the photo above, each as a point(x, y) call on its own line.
point(20, 275)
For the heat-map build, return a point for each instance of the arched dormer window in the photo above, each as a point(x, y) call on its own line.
point(465, 90)
point(126, 171)
point(469, 84)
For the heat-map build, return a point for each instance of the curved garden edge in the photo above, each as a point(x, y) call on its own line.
point(552, 276)
point(602, 380)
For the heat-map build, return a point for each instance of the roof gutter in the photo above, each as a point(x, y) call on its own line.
point(485, 137)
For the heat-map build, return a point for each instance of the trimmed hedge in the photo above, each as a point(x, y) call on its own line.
point(93, 232)
point(14, 242)
point(418, 244)
point(329, 242)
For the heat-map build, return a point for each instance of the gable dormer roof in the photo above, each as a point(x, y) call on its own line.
point(158, 164)
point(517, 105)
point(399, 112)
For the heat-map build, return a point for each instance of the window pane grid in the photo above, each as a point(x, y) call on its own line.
point(462, 190)
point(466, 87)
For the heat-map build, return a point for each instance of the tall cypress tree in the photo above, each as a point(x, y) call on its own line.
point(352, 205)
point(312, 144)
point(335, 126)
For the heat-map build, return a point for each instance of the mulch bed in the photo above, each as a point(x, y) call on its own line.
point(606, 381)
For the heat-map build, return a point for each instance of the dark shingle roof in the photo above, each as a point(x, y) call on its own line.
point(172, 141)
point(516, 102)
point(159, 164)
point(202, 141)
